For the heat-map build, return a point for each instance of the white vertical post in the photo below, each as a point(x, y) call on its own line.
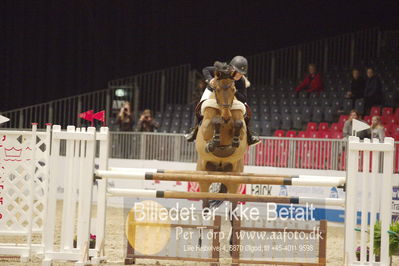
point(374, 197)
point(102, 190)
point(386, 201)
point(81, 165)
point(32, 187)
point(85, 193)
point(68, 218)
point(365, 204)
point(350, 208)
point(49, 221)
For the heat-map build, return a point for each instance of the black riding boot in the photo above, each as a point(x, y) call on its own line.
point(252, 140)
point(190, 137)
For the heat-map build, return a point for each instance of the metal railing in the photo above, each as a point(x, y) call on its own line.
point(290, 63)
point(148, 90)
point(324, 154)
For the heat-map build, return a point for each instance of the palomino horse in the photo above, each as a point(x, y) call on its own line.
point(221, 141)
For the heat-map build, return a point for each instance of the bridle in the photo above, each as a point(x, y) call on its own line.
point(220, 104)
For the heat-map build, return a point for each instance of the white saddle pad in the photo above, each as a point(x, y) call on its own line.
point(237, 105)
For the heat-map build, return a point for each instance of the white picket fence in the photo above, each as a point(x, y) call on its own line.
point(35, 170)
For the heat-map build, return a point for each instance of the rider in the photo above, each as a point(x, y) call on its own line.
point(240, 65)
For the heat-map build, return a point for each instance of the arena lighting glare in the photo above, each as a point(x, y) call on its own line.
point(120, 92)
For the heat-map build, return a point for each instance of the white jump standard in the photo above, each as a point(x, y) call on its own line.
point(374, 187)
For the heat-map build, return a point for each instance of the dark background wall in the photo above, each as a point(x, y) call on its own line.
point(52, 49)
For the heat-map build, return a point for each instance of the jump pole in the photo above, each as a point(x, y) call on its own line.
point(154, 170)
point(195, 177)
point(143, 193)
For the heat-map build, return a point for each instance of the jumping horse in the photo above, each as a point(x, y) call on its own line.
point(221, 141)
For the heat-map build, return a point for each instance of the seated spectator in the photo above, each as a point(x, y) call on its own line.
point(373, 90)
point(347, 129)
point(146, 122)
point(377, 129)
point(312, 81)
point(125, 118)
point(357, 86)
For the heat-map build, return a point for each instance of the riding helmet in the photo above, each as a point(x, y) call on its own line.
point(240, 64)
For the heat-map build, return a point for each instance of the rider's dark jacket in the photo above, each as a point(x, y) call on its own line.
point(241, 93)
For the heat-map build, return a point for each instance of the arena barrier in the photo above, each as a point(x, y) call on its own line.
point(78, 177)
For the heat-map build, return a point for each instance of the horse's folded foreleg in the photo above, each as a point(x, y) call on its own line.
point(238, 124)
point(215, 141)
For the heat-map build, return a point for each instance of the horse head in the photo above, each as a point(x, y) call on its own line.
point(224, 88)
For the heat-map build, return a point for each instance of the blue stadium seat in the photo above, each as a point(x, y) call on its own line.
point(186, 115)
point(347, 105)
point(177, 114)
point(304, 102)
point(336, 103)
point(256, 127)
point(390, 99)
point(317, 115)
point(294, 102)
point(295, 110)
point(324, 95)
point(325, 102)
point(169, 108)
point(266, 129)
point(275, 121)
point(274, 101)
point(303, 94)
point(284, 101)
point(274, 109)
point(285, 109)
point(315, 102)
point(167, 114)
point(286, 122)
point(297, 121)
point(306, 113)
point(264, 109)
point(359, 105)
point(178, 108)
point(263, 102)
point(174, 129)
point(330, 114)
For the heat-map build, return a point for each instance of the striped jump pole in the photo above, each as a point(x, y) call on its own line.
point(154, 170)
point(195, 177)
point(143, 193)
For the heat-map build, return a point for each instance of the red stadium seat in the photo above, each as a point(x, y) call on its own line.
point(301, 134)
point(312, 134)
point(388, 120)
point(337, 135)
point(311, 126)
point(387, 133)
point(343, 118)
point(323, 127)
point(397, 115)
point(325, 135)
point(394, 129)
point(367, 118)
point(396, 136)
point(387, 111)
point(375, 110)
point(335, 127)
point(279, 133)
point(291, 134)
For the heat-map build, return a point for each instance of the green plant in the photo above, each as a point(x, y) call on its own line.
point(393, 238)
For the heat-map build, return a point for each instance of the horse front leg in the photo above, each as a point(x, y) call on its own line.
point(237, 126)
point(215, 141)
